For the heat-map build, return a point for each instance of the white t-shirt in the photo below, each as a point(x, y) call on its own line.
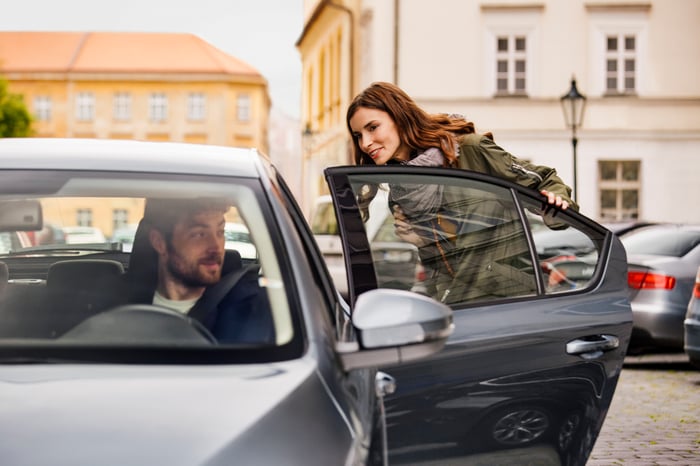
point(180, 306)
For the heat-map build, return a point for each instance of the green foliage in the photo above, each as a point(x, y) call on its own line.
point(15, 120)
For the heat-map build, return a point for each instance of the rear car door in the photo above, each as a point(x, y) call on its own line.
point(540, 305)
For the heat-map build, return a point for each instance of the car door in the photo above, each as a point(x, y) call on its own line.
point(541, 312)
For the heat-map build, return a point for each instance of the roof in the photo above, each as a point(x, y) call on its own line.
point(127, 156)
point(115, 52)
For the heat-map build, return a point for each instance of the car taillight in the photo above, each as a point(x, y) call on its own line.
point(649, 280)
point(696, 290)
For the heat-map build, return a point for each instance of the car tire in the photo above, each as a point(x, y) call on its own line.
point(518, 426)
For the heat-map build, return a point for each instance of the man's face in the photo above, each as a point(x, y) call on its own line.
point(196, 251)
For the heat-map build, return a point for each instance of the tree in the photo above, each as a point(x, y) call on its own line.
point(15, 120)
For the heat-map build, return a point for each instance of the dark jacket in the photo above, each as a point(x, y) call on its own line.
point(242, 316)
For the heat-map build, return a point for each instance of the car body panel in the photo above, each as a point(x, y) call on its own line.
point(510, 367)
point(150, 416)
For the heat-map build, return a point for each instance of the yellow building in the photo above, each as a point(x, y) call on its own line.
point(146, 86)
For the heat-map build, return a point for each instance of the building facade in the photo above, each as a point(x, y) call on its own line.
point(505, 65)
point(145, 86)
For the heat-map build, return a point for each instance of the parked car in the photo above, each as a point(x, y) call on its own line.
point(238, 238)
point(691, 325)
point(125, 236)
point(388, 375)
point(663, 261)
point(397, 260)
point(83, 235)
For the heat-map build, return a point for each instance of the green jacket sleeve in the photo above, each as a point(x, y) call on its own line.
point(480, 153)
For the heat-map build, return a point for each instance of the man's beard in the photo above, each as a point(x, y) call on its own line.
point(191, 276)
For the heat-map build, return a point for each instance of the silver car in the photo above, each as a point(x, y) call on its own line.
point(93, 373)
point(663, 260)
point(691, 325)
point(90, 376)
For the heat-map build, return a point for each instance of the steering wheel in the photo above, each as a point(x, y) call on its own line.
point(140, 324)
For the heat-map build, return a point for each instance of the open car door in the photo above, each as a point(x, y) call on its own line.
point(541, 312)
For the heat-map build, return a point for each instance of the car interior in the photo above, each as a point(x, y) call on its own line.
point(50, 289)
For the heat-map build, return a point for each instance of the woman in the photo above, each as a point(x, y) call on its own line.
point(388, 127)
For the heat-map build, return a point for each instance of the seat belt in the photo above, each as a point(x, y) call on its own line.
point(213, 295)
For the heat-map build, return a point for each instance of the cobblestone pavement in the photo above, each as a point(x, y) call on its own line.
point(654, 418)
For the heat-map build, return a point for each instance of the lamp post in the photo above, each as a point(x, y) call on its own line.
point(573, 104)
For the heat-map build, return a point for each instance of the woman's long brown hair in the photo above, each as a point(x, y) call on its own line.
point(417, 129)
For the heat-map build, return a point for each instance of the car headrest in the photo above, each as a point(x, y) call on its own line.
point(232, 261)
point(81, 273)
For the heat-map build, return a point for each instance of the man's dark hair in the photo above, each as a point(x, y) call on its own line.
point(163, 214)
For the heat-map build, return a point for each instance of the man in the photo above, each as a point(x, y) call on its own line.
point(187, 236)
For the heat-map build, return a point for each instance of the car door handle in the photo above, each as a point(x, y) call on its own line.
point(592, 346)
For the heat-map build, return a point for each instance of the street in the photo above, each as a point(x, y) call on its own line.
point(654, 418)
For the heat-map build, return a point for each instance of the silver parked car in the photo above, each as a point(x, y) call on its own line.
point(691, 325)
point(663, 261)
point(93, 373)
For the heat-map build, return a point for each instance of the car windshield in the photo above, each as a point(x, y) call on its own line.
point(661, 241)
point(82, 266)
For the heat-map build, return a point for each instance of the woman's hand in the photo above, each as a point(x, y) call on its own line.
point(555, 200)
point(404, 229)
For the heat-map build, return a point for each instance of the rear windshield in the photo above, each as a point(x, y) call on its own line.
point(661, 242)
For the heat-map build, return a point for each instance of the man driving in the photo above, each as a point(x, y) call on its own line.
point(187, 236)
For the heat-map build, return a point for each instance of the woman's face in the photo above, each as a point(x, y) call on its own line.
point(377, 135)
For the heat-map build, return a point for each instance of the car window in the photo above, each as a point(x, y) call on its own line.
point(464, 241)
point(85, 263)
point(670, 241)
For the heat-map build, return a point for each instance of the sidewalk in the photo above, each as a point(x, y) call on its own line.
point(654, 418)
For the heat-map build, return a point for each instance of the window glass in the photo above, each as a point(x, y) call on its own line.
point(42, 108)
point(457, 243)
point(158, 107)
point(85, 106)
point(122, 106)
point(92, 220)
point(567, 254)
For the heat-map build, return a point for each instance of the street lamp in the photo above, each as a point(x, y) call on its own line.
point(573, 104)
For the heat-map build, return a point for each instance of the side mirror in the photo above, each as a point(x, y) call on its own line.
point(395, 326)
point(21, 215)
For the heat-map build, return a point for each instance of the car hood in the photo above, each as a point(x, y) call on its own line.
point(159, 415)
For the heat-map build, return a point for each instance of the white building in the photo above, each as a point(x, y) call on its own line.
point(505, 64)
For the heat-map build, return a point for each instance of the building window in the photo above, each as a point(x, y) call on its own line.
point(42, 108)
point(120, 218)
point(196, 106)
point(243, 107)
point(122, 106)
point(620, 188)
point(83, 217)
point(620, 64)
point(158, 107)
point(511, 63)
point(85, 106)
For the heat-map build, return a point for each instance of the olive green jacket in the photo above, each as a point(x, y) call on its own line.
point(480, 153)
point(486, 256)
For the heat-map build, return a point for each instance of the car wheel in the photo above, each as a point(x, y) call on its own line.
point(569, 427)
point(518, 425)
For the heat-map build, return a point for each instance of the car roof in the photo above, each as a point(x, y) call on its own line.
point(127, 156)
